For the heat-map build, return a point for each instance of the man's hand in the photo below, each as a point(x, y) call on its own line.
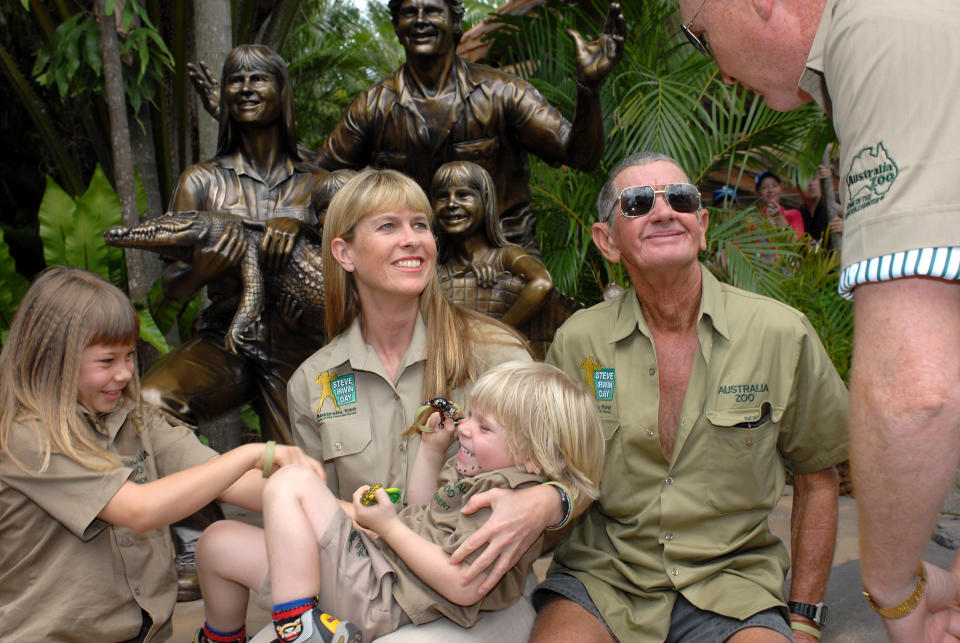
point(207, 86)
point(937, 616)
point(209, 264)
point(374, 517)
point(279, 237)
point(517, 520)
point(597, 58)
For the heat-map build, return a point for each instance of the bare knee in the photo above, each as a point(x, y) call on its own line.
point(289, 483)
point(562, 621)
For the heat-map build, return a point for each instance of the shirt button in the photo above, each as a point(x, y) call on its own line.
point(396, 396)
point(749, 443)
point(653, 372)
point(683, 422)
point(669, 480)
point(649, 433)
point(338, 446)
point(136, 591)
point(675, 571)
point(668, 536)
point(402, 447)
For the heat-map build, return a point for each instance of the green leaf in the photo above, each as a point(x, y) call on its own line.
point(99, 209)
point(149, 331)
point(56, 217)
point(13, 285)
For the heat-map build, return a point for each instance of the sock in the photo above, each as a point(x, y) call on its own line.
point(293, 618)
point(213, 636)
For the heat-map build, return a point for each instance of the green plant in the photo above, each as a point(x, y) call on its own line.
point(71, 229)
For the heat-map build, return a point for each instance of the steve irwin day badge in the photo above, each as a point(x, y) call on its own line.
point(338, 395)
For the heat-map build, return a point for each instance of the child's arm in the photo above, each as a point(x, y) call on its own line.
point(426, 559)
point(161, 502)
point(429, 460)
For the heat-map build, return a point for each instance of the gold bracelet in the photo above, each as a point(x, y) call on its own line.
point(268, 458)
point(806, 629)
point(908, 605)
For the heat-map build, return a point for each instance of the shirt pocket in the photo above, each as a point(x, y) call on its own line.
point(346, 436)
point(742, 457)
point(615, 502)
point(477, 149)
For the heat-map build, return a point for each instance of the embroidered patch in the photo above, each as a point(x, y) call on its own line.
point(871, 175)
point(139, 472)
point(743, 393)
point(336, 392)
point(604, 381)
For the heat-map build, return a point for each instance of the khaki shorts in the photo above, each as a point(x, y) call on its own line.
point(356, 581)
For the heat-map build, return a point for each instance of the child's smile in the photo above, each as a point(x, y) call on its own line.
point(105, 371)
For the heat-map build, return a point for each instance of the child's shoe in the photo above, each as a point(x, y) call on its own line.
point(317, 627)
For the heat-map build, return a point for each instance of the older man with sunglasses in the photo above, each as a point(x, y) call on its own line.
point(705, 392)
point(885, 71)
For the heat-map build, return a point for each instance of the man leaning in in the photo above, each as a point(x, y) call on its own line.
point(706, 393)
point(866, 62)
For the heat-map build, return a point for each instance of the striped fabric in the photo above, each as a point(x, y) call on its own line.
point(942, 263)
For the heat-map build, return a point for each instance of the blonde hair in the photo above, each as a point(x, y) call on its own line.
point(451, 329)
point(549, 419)
point(64, 311)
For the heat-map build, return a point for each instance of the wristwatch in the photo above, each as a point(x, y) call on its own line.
point(816, 613)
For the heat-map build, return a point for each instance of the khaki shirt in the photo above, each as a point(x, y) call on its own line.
point(441, 523)
point(345, 411)
point(886, 73)
point(762, 394)
point(66, 575)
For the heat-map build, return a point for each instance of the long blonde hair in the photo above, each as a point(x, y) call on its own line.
point(64, 311)
point(549, 419)
point(451, 329)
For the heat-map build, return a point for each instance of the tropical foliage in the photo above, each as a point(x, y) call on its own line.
point(663, 96)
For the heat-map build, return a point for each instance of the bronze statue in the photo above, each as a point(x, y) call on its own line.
point(478, 267)
point(438, 107)
point(257, 174)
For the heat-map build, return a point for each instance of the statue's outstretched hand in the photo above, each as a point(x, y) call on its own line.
point(597, 58)
point(207, 86)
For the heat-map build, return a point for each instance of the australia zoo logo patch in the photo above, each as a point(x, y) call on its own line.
point(336, 393)
point(872, 173)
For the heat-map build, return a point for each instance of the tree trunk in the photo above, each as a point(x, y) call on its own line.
point(123, 177)
point(214, 38)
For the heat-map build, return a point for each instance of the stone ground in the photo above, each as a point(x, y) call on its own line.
point(849, 618)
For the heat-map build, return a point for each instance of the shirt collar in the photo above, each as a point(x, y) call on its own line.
point(711, 314)
point(351, 348)
point(813, 81)
point(239, 165)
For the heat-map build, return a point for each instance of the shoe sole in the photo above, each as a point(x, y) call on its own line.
point(347, 632)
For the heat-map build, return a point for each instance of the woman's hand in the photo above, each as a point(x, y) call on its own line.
point(374, 517)
point(518, 518)
point(440, 436)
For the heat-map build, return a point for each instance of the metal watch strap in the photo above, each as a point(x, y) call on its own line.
point(816, 613)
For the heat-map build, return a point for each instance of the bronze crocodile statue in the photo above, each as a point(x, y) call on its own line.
point(297, 288)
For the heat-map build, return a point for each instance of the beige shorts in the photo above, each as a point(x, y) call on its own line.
point(356, 581)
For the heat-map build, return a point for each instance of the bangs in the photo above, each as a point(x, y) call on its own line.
point(114, 321)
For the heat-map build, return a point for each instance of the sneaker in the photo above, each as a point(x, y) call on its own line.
point(325, 629)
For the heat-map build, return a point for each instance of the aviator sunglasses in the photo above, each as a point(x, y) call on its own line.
point(637, 200)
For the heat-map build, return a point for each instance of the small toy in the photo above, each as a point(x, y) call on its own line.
point(449, 410)
point(370, 497)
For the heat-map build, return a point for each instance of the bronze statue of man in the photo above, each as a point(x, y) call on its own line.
point(438, 107)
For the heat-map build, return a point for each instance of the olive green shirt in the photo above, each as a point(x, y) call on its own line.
point(762, 395)
point(346, 411)
point(65, 574)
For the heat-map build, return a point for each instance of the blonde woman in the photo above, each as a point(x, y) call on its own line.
point(394, 342)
